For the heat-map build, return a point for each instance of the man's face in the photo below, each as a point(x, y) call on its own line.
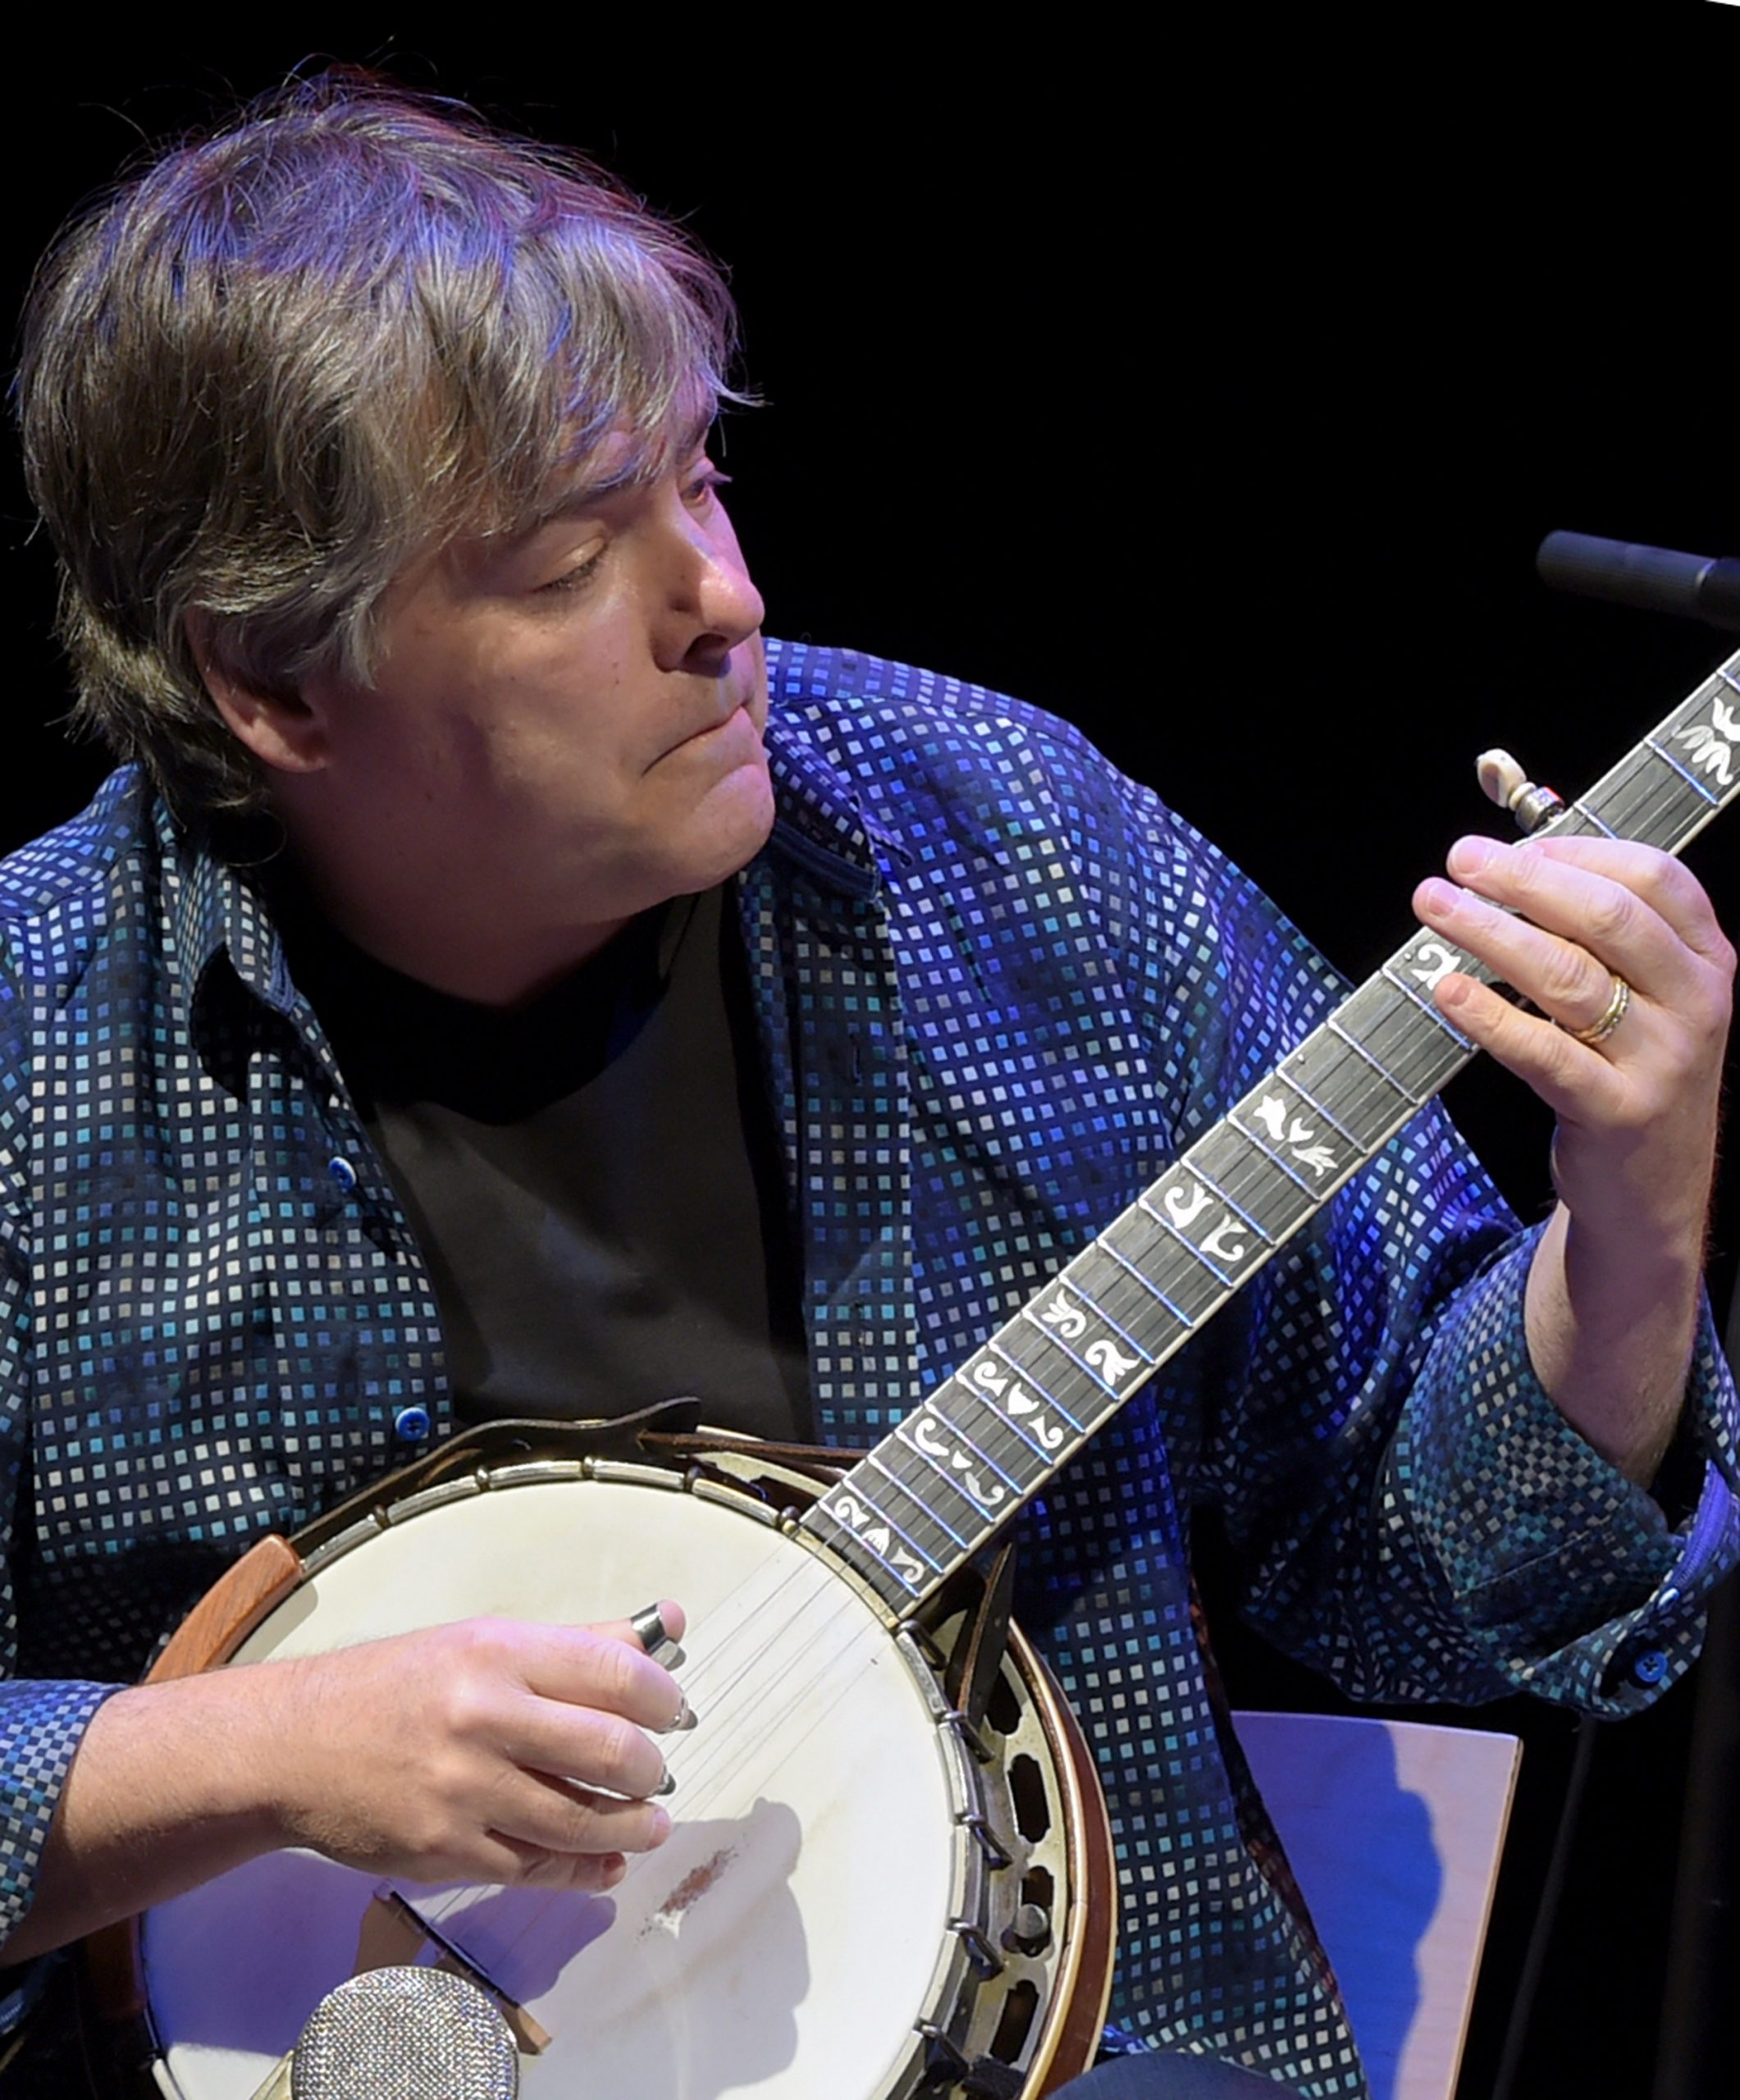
point(568, 722)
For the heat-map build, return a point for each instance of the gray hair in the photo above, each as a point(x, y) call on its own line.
point(260, 375)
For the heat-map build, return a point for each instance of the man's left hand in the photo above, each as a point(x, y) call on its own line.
point(1613, 1296)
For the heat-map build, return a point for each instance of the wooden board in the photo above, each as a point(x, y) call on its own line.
point(1395, 1830)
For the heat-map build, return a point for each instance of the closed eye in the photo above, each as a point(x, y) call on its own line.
point(573, 578)
point(706, 485)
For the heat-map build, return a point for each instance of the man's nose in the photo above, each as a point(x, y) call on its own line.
point(714, 601)
point(730, 603)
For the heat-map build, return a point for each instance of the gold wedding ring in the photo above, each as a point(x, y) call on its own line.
point(1599, 1031)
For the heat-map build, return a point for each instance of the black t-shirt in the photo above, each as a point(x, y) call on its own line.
point(595, 1179)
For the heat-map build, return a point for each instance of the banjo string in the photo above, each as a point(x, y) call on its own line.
point(750, 1717)
point(704, 1780)
point(748, 1776)
point(748, 1721)
point(752, 1779)
point(458, 1900)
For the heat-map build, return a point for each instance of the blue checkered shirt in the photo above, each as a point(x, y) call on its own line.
point(999, 987)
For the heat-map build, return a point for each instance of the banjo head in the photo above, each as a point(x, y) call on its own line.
point(801, 1922)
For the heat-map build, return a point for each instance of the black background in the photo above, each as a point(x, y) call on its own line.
point(1212, 386)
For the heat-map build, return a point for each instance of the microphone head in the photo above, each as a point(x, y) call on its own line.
point(405, 2035)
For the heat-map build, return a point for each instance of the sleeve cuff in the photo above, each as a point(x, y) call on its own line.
point(1569, 1577)
point(41, 1725)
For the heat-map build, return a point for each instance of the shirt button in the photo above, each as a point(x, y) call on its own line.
point(1650, 1667)
point(342, 1172)
point(411, 1425)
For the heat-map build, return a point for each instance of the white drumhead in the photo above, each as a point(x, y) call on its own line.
point(783, 1940)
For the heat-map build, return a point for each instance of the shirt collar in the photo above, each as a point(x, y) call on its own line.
point(819, 821)
point(221, 925)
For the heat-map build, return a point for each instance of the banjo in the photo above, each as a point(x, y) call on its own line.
point(875, 1887)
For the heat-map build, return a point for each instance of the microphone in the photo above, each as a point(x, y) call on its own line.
point(401, 2034)
point(1696, 586)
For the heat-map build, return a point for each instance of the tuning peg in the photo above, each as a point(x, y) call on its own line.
point(1503, 781)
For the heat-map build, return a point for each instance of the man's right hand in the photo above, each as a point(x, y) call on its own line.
point(488, 1750)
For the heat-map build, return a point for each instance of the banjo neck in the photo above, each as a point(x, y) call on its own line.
point(986, 1441)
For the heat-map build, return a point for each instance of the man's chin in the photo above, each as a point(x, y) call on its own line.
point(751, 790)
point(724, 833)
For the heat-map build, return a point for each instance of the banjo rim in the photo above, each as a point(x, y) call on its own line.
point(1069, 2020)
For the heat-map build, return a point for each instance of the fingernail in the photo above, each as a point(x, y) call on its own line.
point(1472, 853)
point(658, 1828)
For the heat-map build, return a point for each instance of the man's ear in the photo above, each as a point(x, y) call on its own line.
point(282, 730)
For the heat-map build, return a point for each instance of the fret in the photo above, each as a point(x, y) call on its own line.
point(1390, 1027)
point(986, 1499)
point(1003, 1360)
point(1275, 1155)
point(902, 1471)
point(1029, 1353)
point(1581, 809)
point(1193, 1159)
point(1131, 1298)
point(1221, 1248)
point(1641, 804)
point(939, 1555)
point(1023, 1430)
point(1052, 1436)
point(1327, 1063)
point(1046, 1367)
point(1109, 1245)
point(1334, 1024)
point(1422, 964)
point(1690, 778)
point(1658, 807)
point(966, 1517)
point(1194, 1287)
point(985, 1481)
point(971, 1396)
point(1705, 729)
point(1285, 1126)
point(1423, 1003)
point(1212, 1270)
point(1318, 1107)
point(853, 1524)
point(1116, 1364)
point(1143, 1243)
point(1072, 1284)
point(888, 1534)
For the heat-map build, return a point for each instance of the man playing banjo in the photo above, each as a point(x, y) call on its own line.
point(500, 986)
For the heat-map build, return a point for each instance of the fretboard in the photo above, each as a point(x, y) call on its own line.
point(957, 1469)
